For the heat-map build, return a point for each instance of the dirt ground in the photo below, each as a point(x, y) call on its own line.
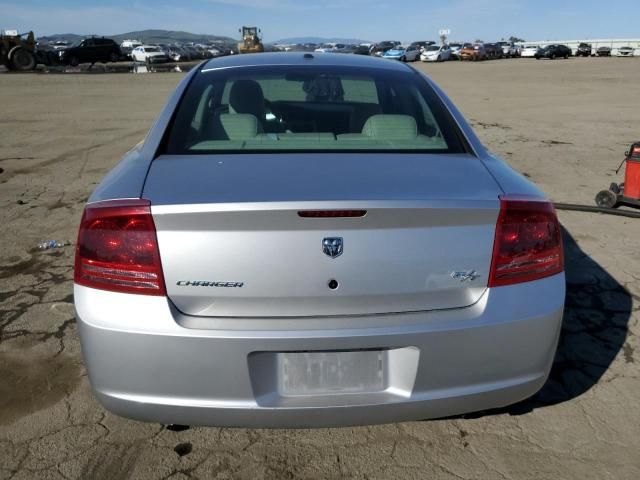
point(566, 124)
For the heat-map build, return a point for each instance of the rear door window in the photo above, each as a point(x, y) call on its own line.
point(288, 108)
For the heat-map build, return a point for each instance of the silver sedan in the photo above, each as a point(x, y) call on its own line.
point(314, 240)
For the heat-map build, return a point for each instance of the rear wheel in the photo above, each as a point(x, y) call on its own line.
point(606, 199)
point(22, 60)
point(74, 61)
point(113, 57)
point(553, 56)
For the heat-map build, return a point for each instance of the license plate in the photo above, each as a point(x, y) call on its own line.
point(326, 373)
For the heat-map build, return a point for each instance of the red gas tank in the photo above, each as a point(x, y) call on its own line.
point(632, 173)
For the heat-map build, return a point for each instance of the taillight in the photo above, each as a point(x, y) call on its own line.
point(117, 248)
point(528, 242)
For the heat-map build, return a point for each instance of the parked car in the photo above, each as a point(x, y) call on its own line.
point(473, 52)
point(332, 48)
point(175, 54)
point(194, 53)
point(427, 281)
point(603, 51)
point(404, 54)
point(381, 47)
point(149, 54)
point(90, 50)
point(46, 54)
point(509, 49)
point(347, 48)
point(530, 51)
point(493, 50)
point(436, 53)
point(625, 52)
point(422, 44)
point(554, 51)
point(362, 50)
point(455, 50)
point(583, 50)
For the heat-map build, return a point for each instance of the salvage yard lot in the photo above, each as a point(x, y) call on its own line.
point(565, 124)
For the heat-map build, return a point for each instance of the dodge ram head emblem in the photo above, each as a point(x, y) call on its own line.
point(332, 246)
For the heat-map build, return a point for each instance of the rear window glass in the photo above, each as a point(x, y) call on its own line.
point(310, 108)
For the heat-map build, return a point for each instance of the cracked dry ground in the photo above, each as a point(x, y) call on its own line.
point(60, 134)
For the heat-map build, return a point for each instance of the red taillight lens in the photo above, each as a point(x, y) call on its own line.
point(528, 242)
point(117, 248)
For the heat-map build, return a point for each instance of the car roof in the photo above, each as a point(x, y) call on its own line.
point(301, 58)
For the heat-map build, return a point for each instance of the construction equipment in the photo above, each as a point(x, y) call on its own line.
point(627, 193)
point(16, 52)
point(251, 42)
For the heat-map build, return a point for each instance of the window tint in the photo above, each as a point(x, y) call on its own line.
point(285, 108)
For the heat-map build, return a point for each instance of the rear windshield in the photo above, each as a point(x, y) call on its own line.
point(310, 108)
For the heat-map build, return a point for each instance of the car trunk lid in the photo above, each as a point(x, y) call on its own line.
point(233, 243)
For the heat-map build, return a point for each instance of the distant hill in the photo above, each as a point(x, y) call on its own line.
point(296, 40)
point(147, 36)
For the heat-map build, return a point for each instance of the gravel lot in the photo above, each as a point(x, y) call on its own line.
point(566, 124)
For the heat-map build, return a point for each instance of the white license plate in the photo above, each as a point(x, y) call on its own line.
point(326, 373)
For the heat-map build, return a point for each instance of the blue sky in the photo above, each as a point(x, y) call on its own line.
point(366, 19)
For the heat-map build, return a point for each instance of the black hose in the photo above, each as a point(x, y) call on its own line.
point(593, 209)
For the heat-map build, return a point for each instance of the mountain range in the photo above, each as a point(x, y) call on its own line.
point(147, 36)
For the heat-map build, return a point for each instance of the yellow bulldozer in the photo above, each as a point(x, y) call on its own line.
point(251, 42)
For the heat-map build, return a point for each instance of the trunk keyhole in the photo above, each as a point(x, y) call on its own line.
point(333, 284)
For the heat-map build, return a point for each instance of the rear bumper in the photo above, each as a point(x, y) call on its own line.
point(144, 364)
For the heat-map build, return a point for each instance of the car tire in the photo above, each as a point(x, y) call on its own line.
point(114, 57)
point(74, 61)
point(553, 56)
point(22, 60)
point(403, 59)
point(566, 57)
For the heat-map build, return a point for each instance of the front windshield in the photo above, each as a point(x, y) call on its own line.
point(433, 48)
point(285, 108)
point(151, 49)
